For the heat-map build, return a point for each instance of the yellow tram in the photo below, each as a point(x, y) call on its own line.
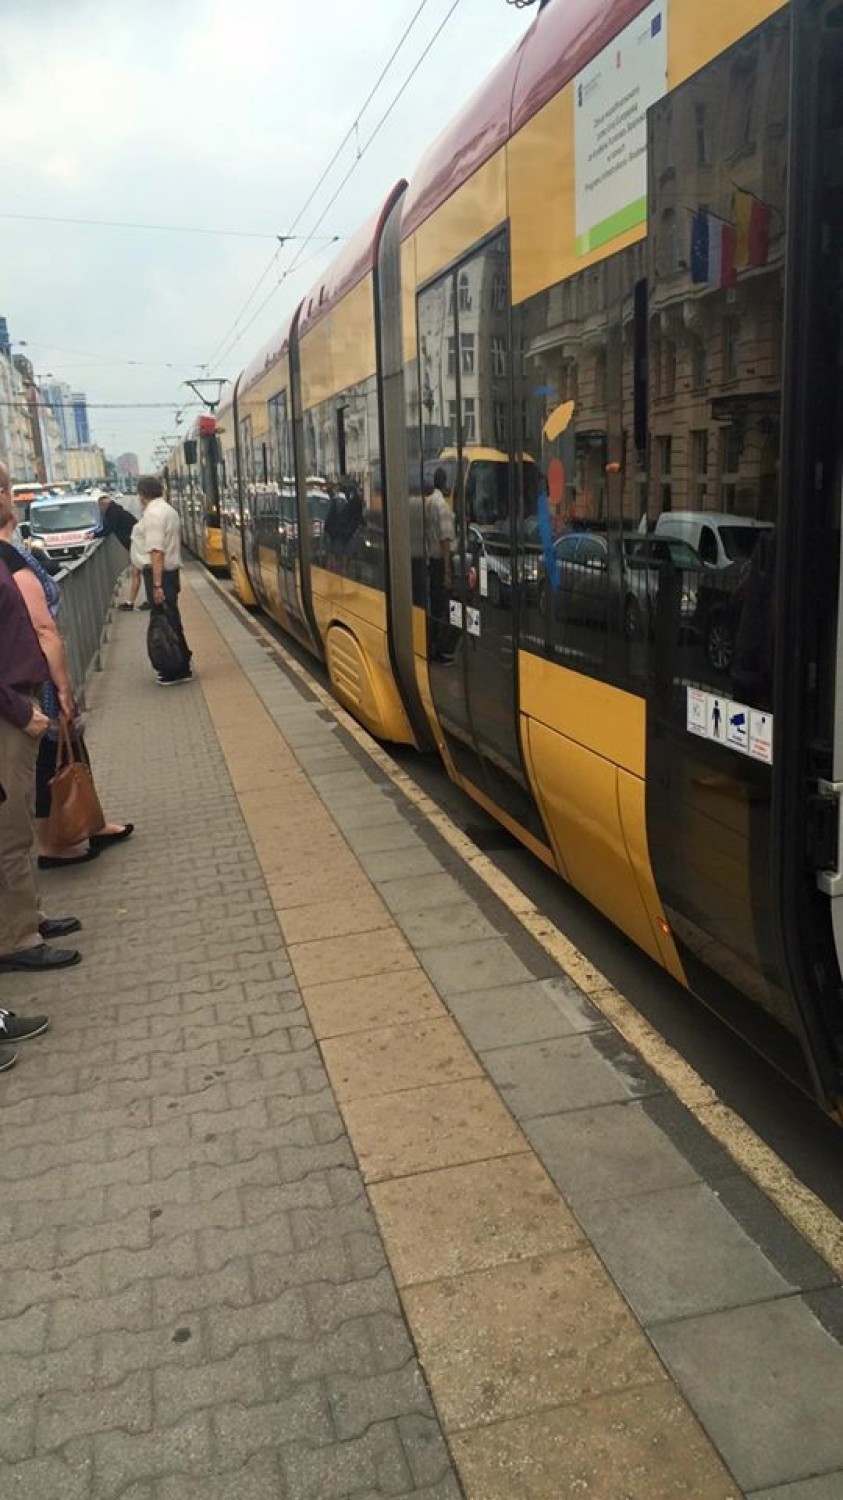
point(192, 480)
point(585, 317)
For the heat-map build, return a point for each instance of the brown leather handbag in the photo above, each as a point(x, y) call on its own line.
point(75, 811)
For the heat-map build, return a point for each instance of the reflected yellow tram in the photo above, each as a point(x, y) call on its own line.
point(588, 312)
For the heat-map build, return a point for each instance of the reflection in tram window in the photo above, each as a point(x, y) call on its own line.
point(716, 316)
point(564, 342)
point(344, 494)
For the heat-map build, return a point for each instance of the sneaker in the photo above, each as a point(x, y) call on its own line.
point(145, 605)
point(126, 606)
point(172, 681)
point(21, 1028)
point(8, 1058)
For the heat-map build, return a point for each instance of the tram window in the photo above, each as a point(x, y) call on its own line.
point(342, 447)
point(280, 464)
point(724, 408)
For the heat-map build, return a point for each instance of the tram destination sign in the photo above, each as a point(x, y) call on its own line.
point(611, 97)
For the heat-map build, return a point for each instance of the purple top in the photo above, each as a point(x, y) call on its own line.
point(23, 665)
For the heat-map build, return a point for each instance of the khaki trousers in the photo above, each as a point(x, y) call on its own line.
point(19, 913)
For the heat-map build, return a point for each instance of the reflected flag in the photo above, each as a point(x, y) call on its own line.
point(713, 246)
point(752, 226)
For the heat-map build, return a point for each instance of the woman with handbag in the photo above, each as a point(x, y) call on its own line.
point(41, 595)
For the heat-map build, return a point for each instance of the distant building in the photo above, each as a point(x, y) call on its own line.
point(127, 466)
point(86, 465)
point(70, 409)
point(80, 426)
point(17, 449)
point(57, 397)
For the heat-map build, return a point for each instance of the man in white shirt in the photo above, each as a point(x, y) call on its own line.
point(439, 535)
point(160, 539)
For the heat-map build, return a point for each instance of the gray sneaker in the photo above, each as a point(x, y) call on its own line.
point(8, 1058)
point(21, 1028)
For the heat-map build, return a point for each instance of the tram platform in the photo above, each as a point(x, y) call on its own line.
point(330, 1180)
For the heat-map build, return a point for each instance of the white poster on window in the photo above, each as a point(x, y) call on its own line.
point(611, 98)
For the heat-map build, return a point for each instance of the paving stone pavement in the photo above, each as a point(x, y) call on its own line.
point(320, 1134)
point(196, 1296)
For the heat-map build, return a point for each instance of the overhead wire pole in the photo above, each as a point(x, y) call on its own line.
point(296, 263)
point(223, 346)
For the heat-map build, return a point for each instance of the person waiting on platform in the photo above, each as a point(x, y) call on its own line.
point(118, 521)
point(24, 930)
point(162, 574)
point(41, 596)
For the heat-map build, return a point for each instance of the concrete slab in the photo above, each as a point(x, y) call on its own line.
point(523, 1341)
point(767, 1384)
point(562, 1073)
point(468, 1218)
point(350, 957)
point(349, 1005)
point(421, 892)
point(381, 809)
point(642, 1444)
point(444, 926)
point(482, 965)
point(366, 1063)
point(397, 863)
point(337, 785)
point(518, 1013)
point(822, 1487)
point(607, 1152)
point(359, 911)
point(384, 837)
point(426, 1128)
point(678, 1252)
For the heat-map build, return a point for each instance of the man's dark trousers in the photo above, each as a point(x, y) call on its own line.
point(171, 581)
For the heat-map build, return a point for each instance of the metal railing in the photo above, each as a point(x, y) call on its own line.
point(87, 593)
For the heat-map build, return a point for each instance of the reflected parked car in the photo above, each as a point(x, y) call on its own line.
point(582, 589)
point(491, 554)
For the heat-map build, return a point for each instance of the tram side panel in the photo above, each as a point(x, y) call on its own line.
point(344, 497)
point(270, 555)
point(230, 503)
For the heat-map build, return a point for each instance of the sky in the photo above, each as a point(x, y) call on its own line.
point(200, 114)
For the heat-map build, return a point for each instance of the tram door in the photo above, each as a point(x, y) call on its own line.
point(464, 356)
point(810, 740)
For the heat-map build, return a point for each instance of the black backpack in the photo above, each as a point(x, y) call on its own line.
point(163, 645)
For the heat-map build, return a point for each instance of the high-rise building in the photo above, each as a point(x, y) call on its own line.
point(57, 397)
point(70, 409)
point(80, 427)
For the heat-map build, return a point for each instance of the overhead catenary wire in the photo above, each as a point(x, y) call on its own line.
point(223, 346)
point(381, 122)
point(241, 234)
point(296, 263)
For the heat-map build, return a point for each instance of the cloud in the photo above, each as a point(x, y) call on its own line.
point(206, 114)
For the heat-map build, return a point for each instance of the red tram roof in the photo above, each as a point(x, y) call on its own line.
point(355, 261)
point(564, 38)
point(558, 44)
point(269, 355)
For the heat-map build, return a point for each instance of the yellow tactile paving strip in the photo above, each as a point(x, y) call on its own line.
point(544, 1382)
point(818, 1224)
